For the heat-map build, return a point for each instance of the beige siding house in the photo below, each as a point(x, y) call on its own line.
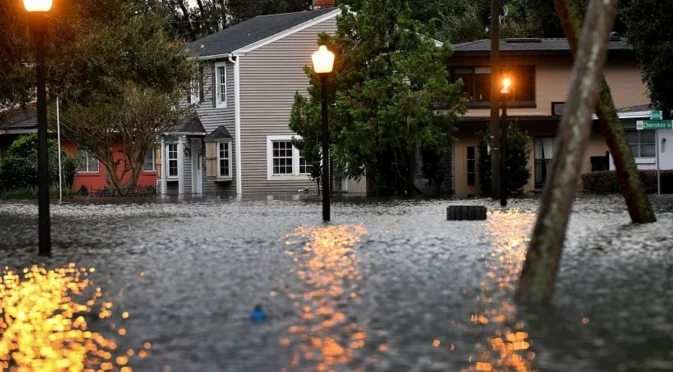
point(540, 72)
point(239, 141)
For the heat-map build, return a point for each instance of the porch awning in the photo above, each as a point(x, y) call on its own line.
point(190, 126)
point(220, 133)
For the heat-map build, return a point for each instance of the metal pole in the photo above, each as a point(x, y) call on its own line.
point(44, 223)
point(325, 153)
point(58, 140)
point(503, 153)
point(657, 149)
point(495, 114)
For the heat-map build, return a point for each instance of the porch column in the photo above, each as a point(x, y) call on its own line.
point(164, 161)
point(181, 165)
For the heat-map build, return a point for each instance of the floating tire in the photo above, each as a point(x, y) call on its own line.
point(466, 213)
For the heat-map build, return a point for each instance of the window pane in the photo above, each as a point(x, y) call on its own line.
point(523, 83)
point(470, 152)
point(544, 147)
point(148, 163)
point(470, 179)
point(222, 80)
point(647, 151)
point(282, 157)
point(468, 85)
point(634, 151)
point(647, 136)
point(482, 88)
point(632, 137)
point(470, 166)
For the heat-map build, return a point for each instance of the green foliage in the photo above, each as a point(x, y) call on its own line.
point(387, 81)
point(31, 192)
point(651, 37)
point(434, 168)
point(606, 182)
point(93, 47)
point(517, 153)
point(18, 168)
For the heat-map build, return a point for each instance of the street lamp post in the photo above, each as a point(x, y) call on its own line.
point(506, 83)
point(323, 61)
point(37, 20)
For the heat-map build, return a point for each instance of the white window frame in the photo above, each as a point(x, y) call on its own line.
point(168, 160)
point(154, 161)
point(219, 159)
point(296, 155)
point(195, 91)
point(83, 153)
point(219, 103)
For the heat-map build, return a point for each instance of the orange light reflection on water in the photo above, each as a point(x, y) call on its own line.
point(331, 270)
point(509, 347)
point(44, 329)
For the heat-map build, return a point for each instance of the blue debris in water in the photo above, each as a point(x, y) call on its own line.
point(257, 315)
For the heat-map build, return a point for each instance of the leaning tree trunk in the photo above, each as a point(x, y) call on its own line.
point(544, 253)
point(630, 183)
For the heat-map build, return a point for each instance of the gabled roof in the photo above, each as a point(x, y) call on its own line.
point(190, 125)
point(220, 133)
point(252, 31)
point(19, 120)
point(532, 46)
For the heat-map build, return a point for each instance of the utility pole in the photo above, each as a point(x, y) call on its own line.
point(495, 92)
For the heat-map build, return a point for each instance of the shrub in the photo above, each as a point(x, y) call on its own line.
point(516, 161)
point(606, 181)
point(16, 173)
point(24, 151)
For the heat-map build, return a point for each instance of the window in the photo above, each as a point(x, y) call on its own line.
point(471, 166)
point(224, 159)
point(544, 150)
point(477, 83)
point(87, 162)
point(148, 163)
point(305, 165)
point(172, 160)
point(194, 91)
point(642, 143)
point(284, 160)
point(282, 157)
point(221, 84)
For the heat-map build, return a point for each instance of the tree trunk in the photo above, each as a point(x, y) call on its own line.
point(546, 245)
point(630, 183)
point(185, 12)
point(204, 17)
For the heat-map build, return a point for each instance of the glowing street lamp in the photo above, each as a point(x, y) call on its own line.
point(504, 91)
point(37, 19)
point(323, 62)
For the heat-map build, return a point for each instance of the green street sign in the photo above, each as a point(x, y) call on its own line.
point(654, 124)
point(655, 115)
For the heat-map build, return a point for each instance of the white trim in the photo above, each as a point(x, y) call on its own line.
point(87, 155)
point(181, 165)
point(164, 160)
point(295, 160)
point(219, 167)
point(214, 56)
point(312, 22)
point(219, 103)
point(237, 123)
point(168, 161)
point(195, 99)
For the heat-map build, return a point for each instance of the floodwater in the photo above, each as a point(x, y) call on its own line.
point(387, 286)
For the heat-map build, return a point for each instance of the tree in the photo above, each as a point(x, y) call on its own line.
point(544, 252)
point(434, 168)
point(517, 153)
point(651, 37)
point(389, 81)
point(133, 121)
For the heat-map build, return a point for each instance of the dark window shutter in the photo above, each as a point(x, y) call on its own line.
point(213, 87)
point(200, 83)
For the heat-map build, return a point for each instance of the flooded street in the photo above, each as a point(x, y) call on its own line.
point(388, 286)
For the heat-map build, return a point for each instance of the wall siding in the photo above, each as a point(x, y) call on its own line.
point(270, 76)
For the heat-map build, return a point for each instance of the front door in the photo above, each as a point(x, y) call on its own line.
point(197, 175)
